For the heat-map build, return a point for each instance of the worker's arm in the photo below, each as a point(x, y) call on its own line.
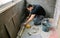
point(31, 18)
point(27, 18)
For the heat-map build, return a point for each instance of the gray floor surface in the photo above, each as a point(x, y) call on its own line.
point(28, 33)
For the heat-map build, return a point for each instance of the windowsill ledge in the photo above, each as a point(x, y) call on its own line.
point(7, 6)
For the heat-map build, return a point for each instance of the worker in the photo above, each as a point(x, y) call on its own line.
point(36, 13)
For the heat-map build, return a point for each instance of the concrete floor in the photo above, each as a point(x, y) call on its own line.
point(39, 33)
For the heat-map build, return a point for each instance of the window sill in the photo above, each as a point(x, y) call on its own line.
point(7, 6)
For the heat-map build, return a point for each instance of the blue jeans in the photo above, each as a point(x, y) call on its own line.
point(38, 19)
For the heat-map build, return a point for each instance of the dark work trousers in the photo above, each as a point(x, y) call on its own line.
point(38, 19)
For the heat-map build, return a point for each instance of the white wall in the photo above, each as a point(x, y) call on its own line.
point(57, 12)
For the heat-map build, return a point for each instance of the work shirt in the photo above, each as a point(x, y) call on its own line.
point(38, 10)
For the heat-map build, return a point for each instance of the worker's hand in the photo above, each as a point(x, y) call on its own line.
point(27, 17)
point(24, 24)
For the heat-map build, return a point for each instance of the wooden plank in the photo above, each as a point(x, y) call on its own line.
point(58, 29)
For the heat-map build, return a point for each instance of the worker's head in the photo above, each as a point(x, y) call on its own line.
point(29, 7)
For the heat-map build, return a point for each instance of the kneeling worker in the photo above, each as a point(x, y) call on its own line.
point(37, 12)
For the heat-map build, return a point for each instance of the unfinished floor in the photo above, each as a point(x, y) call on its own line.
point(39, 34)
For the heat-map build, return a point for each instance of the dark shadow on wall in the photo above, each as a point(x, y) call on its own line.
point(24, 12)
